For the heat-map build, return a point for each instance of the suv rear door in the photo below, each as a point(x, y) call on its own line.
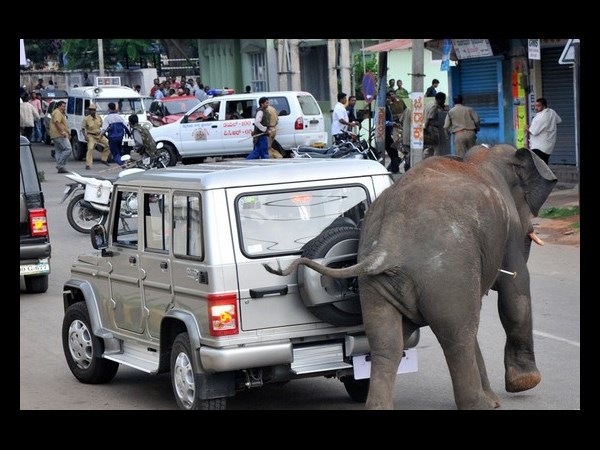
point(311, 118)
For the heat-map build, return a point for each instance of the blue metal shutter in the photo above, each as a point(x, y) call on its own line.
point(479, 82)
point(557, 89)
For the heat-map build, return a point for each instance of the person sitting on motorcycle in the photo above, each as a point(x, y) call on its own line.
point(144, 143)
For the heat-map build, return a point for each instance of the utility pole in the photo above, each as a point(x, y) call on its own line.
point(416, 151)
point(100, 57)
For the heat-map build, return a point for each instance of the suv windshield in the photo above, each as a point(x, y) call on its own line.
point(282, 222)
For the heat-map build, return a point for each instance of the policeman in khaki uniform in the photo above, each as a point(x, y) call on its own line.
point(272, 120)
point(91, 125)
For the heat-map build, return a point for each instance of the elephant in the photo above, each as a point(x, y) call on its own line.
point(430, 247)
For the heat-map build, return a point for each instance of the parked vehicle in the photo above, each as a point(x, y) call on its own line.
point(346, 146)
point(181, 288)
point(90, 196)
point(167, 110)
point(107, 90)
point(34, 238)
point(226, 128)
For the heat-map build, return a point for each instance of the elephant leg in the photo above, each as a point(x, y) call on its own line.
point(455, 324)
point(383, 326)
point(485, 382)
point(514, 307)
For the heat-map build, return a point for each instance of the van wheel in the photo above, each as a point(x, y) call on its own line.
point(170, 155)
point(83, 350)
point(183, 379)
point(344, 309)
point(36, 284)
point(78, 149)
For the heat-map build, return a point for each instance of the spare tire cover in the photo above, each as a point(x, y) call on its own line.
point(333, 300)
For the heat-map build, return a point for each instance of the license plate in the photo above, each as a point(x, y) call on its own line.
point(362, 364)
point(35, 269)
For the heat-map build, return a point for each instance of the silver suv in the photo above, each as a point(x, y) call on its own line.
point(181, 288)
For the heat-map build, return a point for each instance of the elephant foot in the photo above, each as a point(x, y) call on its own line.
point(521, 381)
point(493, 398)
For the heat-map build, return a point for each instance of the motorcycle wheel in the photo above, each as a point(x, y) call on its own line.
point(82, 219)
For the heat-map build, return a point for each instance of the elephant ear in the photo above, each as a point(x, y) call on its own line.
point(536, 177)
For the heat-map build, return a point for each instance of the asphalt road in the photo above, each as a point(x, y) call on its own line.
point(45, 382)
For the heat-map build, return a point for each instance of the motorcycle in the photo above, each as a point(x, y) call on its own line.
point(90, 196)
point(346, 146)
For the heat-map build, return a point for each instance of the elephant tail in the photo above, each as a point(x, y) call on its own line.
point(371, 265)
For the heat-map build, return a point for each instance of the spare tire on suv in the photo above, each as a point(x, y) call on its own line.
point(335, 301)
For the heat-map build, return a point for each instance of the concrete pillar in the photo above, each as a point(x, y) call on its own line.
point(282, 66)
point(295, 65)
point(332, 71)
point(418, 51)
point(345, 66)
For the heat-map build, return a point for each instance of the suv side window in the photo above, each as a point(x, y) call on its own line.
point(187, 226)
point(281, 105)
point(125, 229)
point(156, 222)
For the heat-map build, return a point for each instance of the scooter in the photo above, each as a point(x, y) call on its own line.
point(90, 196)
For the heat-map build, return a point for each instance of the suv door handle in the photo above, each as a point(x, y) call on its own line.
point(132, 259)
point(214, 126)
point(261, 292)
point(164, 265)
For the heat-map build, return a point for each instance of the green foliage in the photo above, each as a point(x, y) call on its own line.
point(370, 65)
point(558, 213)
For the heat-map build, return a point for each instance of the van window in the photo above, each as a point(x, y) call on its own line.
point(281, 105)
point(309, 105)
point(124, 105)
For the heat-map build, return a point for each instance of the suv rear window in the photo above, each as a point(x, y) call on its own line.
point(309, 105)
point(282, 222)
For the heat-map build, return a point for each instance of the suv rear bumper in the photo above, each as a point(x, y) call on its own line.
point(246, 357)
point(33, 252)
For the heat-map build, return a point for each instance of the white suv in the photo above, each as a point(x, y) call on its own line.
point(180, 286)
point(227, 130)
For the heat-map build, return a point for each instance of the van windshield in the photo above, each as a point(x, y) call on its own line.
point(124, 105)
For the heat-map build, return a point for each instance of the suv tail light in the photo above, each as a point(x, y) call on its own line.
point(222, 314)
point(299, 124)
point(38, 223)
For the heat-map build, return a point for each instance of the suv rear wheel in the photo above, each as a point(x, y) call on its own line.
point(183, 379)
point(357, 389)
point(83, 349)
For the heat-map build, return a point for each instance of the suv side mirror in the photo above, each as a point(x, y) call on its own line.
point(99, 237)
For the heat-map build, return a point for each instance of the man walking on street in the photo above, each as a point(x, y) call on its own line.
point(542, 132)
point(463, 122)
point(59, 132)
point(261, 131)
point(91, 126)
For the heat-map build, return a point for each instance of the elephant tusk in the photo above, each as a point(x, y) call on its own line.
point(514, 274)
point(534, 238)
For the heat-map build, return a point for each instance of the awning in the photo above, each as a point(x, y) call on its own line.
point(394, 44)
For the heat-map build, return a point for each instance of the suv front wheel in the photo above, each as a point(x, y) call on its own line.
point(83, 349)
point(183, 379)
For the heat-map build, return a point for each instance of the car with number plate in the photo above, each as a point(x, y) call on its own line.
point(180, 287)
point(35, 248)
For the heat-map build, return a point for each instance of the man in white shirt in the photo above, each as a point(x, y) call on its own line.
point(542, 131)
point(339, 118)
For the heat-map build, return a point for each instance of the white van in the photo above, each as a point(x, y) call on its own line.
point(106, 90)
point(226, 131)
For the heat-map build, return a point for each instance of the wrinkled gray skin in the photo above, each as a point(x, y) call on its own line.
point(430, 248)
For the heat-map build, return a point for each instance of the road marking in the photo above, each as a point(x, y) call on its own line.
point(551, 336)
